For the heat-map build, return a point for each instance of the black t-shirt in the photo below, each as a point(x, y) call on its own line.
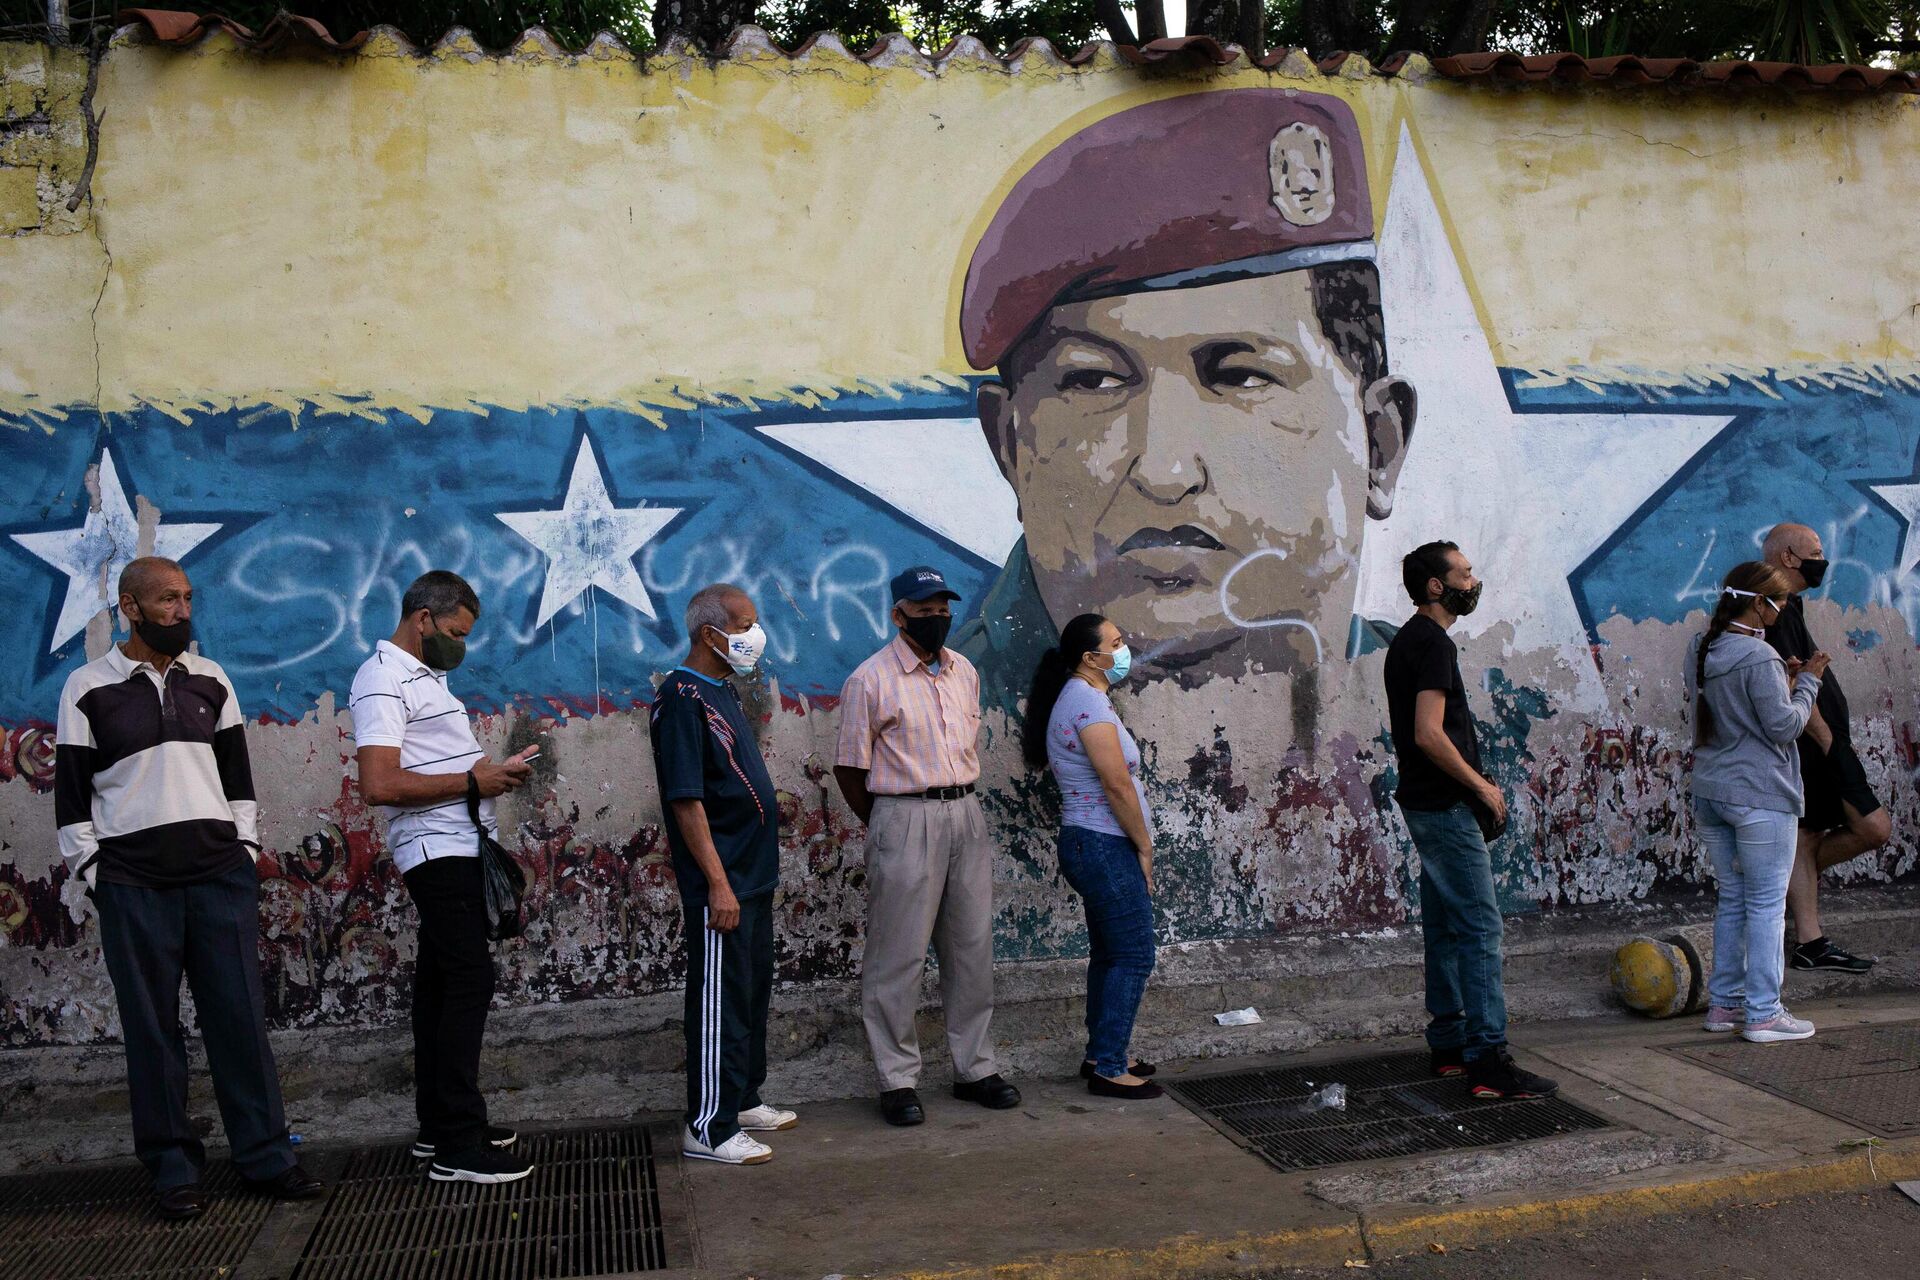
point(1421, 657)
point(1790, 639)
point(703, 749)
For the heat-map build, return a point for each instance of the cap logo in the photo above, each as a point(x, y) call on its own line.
point(1300, 165)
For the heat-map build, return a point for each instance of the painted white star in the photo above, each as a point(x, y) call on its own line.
point(93, 555)
point(589, 542)
point(1904, 499)
point(1529, 496)
point(972, 504)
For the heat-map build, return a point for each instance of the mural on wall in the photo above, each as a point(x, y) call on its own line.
point(1216, 406)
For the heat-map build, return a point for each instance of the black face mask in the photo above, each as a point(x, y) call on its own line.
point(1460, 603)
point(930, 633)
point(440, 651)
point(171, 639)
point(1814, 571)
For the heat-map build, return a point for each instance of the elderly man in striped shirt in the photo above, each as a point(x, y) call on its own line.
point(907, 765)
point(153, 794)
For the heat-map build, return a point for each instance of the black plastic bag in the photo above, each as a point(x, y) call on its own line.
point(501, 879)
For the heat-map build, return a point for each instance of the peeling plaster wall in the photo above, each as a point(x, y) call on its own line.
point(318, 326)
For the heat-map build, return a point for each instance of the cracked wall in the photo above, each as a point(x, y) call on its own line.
point(594, 334)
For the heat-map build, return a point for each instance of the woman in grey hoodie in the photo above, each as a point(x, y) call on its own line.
point(1749, 707)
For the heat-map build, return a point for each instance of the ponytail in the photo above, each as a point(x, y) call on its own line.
point(1077, 639)
point(1753, 578)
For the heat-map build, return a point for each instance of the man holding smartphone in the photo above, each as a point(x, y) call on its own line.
point(419, 760)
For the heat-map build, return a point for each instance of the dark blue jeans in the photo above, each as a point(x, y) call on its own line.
point(1105, 871)
point(1460, 919)
point(209, 933)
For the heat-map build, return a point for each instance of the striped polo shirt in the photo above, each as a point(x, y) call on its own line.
point(151, 783)
point(400, 701)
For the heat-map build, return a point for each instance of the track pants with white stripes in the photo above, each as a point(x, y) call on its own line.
point(729, 983)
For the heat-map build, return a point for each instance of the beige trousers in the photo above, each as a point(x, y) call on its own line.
point(929, 879)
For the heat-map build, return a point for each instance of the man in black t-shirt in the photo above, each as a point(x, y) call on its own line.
point(722, 830)
point(1843, 817)
point(1444, 799)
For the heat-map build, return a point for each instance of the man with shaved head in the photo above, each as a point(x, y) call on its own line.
point(1843, 817)
point(153, 794)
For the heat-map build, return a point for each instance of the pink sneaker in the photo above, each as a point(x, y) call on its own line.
point(1721, 1018)
point(1782, 1026)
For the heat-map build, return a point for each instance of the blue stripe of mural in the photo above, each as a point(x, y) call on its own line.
point(1795, 452)
point(338, 513)
point(324, 518)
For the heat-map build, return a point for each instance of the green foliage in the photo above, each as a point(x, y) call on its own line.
point(1778, 30)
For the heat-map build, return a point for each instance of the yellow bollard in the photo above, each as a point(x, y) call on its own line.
point(1658, 977)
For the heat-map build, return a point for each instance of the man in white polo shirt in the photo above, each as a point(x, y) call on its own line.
point(417, 757)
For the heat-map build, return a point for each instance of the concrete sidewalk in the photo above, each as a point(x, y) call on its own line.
point(1069, 1185)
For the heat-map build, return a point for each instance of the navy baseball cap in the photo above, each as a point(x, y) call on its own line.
point(922, 582)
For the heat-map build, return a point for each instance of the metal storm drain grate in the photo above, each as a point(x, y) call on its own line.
point(1394, 1108)
point(100, 1224)
point(1866, 1076)
point(590, 1208)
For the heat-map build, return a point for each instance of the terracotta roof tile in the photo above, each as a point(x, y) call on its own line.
point(180, 29)
point(1568, 68)
point(170, 26)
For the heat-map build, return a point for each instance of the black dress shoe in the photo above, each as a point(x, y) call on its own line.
point(177, 1204)
point(991, 1092)
point(1136, 1068)
point(291, 1183)
point(1102, 1087)
point(902, 1107)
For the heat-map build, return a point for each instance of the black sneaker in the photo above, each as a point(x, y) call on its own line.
point(496, 1136)
point(1447, 1063)
point(1822, 954)
point(486, 1164)
point(1495, 1075)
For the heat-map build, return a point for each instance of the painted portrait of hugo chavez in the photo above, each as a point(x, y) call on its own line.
point(1191, 397)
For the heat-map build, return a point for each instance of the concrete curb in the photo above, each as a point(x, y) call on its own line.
point(1376, 1236)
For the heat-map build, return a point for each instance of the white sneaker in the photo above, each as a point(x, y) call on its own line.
point(767, 1119)
point(739, 1149)
point(1781, 1026)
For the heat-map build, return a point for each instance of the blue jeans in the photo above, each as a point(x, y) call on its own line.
point(1460, 921)
point(1752, 852)
point(1105, 871)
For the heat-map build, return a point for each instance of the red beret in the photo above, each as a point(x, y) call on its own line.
point(1180, 192)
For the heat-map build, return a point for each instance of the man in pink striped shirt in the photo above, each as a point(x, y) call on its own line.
point(907, 765)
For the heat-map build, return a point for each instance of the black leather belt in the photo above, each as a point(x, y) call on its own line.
point(939, 793)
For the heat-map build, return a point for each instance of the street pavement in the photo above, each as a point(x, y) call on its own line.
point(1070, 1186)
point(1867, 1235)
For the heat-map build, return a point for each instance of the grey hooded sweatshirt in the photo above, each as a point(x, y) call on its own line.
point(1751, 759)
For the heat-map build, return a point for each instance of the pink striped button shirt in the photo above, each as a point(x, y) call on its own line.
point(907, 727)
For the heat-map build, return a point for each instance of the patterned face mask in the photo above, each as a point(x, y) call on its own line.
point(743, 650)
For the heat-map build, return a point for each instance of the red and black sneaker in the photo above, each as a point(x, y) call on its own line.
point(1494, 1075)
point(1447, 1063)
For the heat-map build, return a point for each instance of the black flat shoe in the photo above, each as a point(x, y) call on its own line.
point(902, 1107)
point(1102, 1087)
point(989, 1092)
point(177, 1204)
point(291, 1183)
point(1136, 1068)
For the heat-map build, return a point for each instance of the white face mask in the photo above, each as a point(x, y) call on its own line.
point(743, 651)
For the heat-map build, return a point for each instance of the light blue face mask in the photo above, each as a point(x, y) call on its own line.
point(1122, 663)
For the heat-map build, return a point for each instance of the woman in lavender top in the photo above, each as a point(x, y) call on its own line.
point(1106, 837)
